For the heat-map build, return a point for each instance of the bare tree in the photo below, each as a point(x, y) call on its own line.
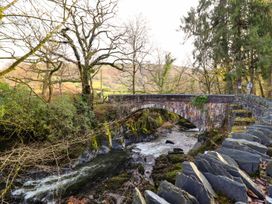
point(135, 50)
point(18, 20)
point(93, 40)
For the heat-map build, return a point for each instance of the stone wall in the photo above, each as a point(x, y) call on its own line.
point(257, 105)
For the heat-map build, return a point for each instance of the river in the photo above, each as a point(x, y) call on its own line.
point(49, 189)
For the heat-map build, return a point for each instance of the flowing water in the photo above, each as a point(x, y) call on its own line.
point(46, 190)
point(147, 152)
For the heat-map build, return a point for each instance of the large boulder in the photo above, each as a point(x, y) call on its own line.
point(190, 169)
point(247, 161)
point(207, 163)
point(138, 197)
point(236, 172)
point(232, 189)
point(269, 169)
point(245, 136)
point(236, 143)
point(264, 130)
point(195, 188)
point(265, 140)
point(173, 194)
point(152, 198)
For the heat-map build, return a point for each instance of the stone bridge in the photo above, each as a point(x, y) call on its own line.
point(214, 114)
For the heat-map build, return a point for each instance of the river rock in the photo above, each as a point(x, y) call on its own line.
point(269, 169)
point(236, 143)
point(173, 194)
point(232, 189)
point(40, 191)
point(152, 198)
point(245, 136)
point(138, 197)
point(269, 127)
point(270, 190)
point(195, 188)
point(169, 142)
point(207, 163)
point(247, 161)
point(265, 140)
point(266, 131)
point(237, 172)
point(190, 169)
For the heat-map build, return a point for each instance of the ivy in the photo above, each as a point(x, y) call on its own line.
point(199, 101)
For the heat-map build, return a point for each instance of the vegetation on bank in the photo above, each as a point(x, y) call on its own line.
point(25, 117)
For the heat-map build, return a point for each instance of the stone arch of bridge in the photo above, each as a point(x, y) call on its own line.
point(193, 115)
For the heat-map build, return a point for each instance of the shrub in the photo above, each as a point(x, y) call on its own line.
point(199, 101)
point(25, 116)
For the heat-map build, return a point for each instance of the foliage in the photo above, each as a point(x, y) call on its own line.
point(200, 101)
point(25, 116)
point(233, 37)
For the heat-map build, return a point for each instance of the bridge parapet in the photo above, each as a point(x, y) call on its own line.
point(140, 98)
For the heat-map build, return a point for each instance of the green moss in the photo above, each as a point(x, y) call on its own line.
point(117, 181)
point(171, 176)
point(200, 101)
point(94, 144)
point(237, 129)
point(108, 133)
point(212, 141)
point(223, 200)
point(245, 119)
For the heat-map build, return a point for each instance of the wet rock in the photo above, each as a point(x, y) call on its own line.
point(169, 142)
point(173, 194)
point(103, 150)
point(263, 129)
point(247, 161)
point(210, 164)
point(236, 143)
point(245, 136)
point(177, 151)
point(195, 188)
point(190, 169)
point(44, 190)
point(232, 189)
point(236, 172)
point(269, 169)
point(270, 190)
point(118, 143)
point(138, 197)
point(152, 198)
point(265, 140)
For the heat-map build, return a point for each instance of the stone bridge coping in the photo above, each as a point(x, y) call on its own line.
point(139, 98)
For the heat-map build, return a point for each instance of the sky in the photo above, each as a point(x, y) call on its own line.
point(163, 19)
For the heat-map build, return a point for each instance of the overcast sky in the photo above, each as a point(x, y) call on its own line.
point(163, 17)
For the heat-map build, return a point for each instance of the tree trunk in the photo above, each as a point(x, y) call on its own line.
point(86, 89)
point(269, 81)
point(133, 79)
point(261, 86)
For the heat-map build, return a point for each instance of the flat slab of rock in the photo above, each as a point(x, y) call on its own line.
point(265, 140)
point(195, 188)
point(173, 194)
point(152, 198)
point(190, 169)
point(234, 143)
point(138, 197)
point(235, 171)
point(246, 136)
point(232, 189)
point(247, 161)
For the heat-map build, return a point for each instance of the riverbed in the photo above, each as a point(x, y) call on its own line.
point(48, 189)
